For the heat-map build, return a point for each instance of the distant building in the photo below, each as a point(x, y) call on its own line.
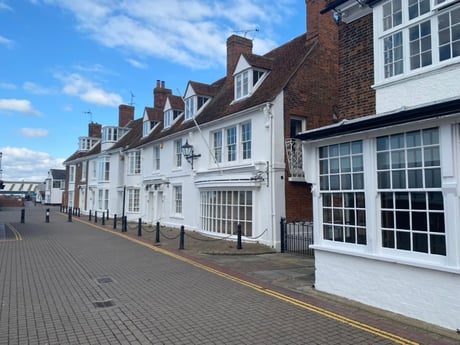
point(54, 186)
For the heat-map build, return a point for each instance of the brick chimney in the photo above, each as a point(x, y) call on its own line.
point(323, 25)
point(160, 93)
point(125, 114)
point(236, 45)
point(94, 130)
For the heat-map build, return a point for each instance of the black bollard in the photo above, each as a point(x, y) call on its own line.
point(47, 215)
point(23, 216)
point(238, 243)
point(69, 219)
point(283, 235)
point(181, 237)
point(95, 216)
point(107, 214)
point(157, 235)
point(103, 218)
point(139, 228)
point(114, 221)
point(89, 215)
point(125, 224)
point(79, 213)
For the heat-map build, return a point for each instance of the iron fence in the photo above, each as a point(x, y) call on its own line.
point(296, 237)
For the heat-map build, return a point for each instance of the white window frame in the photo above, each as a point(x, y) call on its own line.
point(177, 201)
point(380, 35)
point(134, 200)
point(190, 107)
point(168, 115)
point(83, 170)
point(156, 157)
point(103, 199)
point(72, 174)
point(217, 145)
point(104, 169)
point(246, 140)
point(178, 153)
point(134, 162)
point(222, 210)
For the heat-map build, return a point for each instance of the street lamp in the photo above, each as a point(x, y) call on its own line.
point(187, 152)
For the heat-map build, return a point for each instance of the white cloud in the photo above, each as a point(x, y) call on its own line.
point(33, 132)
point(20, 163)
point(137, 64)
point(36, 89)
point(5, 41)
point(76, 85)
point(22, 106)
point(191, 33)
point(7, 86)
point(5, 7)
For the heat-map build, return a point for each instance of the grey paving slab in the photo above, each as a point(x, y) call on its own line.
point(68, 283)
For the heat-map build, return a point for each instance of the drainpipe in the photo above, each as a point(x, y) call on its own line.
point(269, 113)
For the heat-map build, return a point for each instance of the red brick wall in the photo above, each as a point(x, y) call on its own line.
point(125, 114)
point(312, 94)
point(160, 93)
point(356, 74)
point(94, 130)
point(236, 45)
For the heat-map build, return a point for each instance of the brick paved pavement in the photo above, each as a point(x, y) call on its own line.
point(54, 281)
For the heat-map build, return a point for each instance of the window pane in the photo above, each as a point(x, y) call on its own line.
point(435, 201)
point(327, 232)
point(384, 179)
point(403, 240)
point(383, 160)
point(402, 201)
point(386, 200)
point(438, 245)
point(387, 219)
point(399, 179)
point(414, 158)
point(420, 243)
point(436, 222)
point(419, 221)
point(415, 178)
point(388, 240)
point(433, 178)
point(418, 201)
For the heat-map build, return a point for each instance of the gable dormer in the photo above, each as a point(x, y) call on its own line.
point(148, 121)
point(172, 110)
point(247, 78)
point(196, 97)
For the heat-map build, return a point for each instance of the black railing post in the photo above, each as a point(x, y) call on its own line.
point(115, 221)
point(283, 235)
point(47, 215)
point(181, 237)
point(23, 216)
point(89, 215)
point(139, 227)
point(107, 214)
point(95, 216)
point(79, 212)
point(69, 214)
point(238, 242)
point(157, 235)
point(103, 218)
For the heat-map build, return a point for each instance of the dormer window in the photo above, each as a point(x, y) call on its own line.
point(189, 107)
point(147, 127)
point(247, 81)
point(193, 104)
point(87, 143)
point(170, 116)
point(113, 134)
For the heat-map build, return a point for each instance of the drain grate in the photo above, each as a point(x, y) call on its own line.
point(104, 304)
point(104, 280)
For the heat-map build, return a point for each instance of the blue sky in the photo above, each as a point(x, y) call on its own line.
point(60, 59)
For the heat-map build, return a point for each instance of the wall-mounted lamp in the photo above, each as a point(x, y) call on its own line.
point(260, 174)
point(187, 152)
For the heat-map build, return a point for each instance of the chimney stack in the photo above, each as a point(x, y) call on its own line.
point(125, 114)
point(94, 130)
point(323, 25)
point(236, 45)
point(160, 92)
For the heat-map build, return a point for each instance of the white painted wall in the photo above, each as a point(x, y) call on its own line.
point(419, 89)
point(424, 294)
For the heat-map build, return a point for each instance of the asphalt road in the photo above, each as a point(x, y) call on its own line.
point(71, 283)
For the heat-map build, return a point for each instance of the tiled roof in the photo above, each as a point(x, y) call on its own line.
point(154, 114)
point(176, 102)
point(132, 137)
point(204, 89)
point(58, 174)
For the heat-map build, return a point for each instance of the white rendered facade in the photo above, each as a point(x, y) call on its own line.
point(386, 197)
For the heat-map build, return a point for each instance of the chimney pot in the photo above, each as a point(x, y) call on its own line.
point(158, 82)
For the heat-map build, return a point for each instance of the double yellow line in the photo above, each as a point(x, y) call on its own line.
point(17, 235)
point(304, 305)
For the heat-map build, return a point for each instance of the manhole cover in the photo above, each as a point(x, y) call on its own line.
point(104, 304)
point(104, 280)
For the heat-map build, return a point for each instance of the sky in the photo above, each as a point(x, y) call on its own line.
point(65, 63)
